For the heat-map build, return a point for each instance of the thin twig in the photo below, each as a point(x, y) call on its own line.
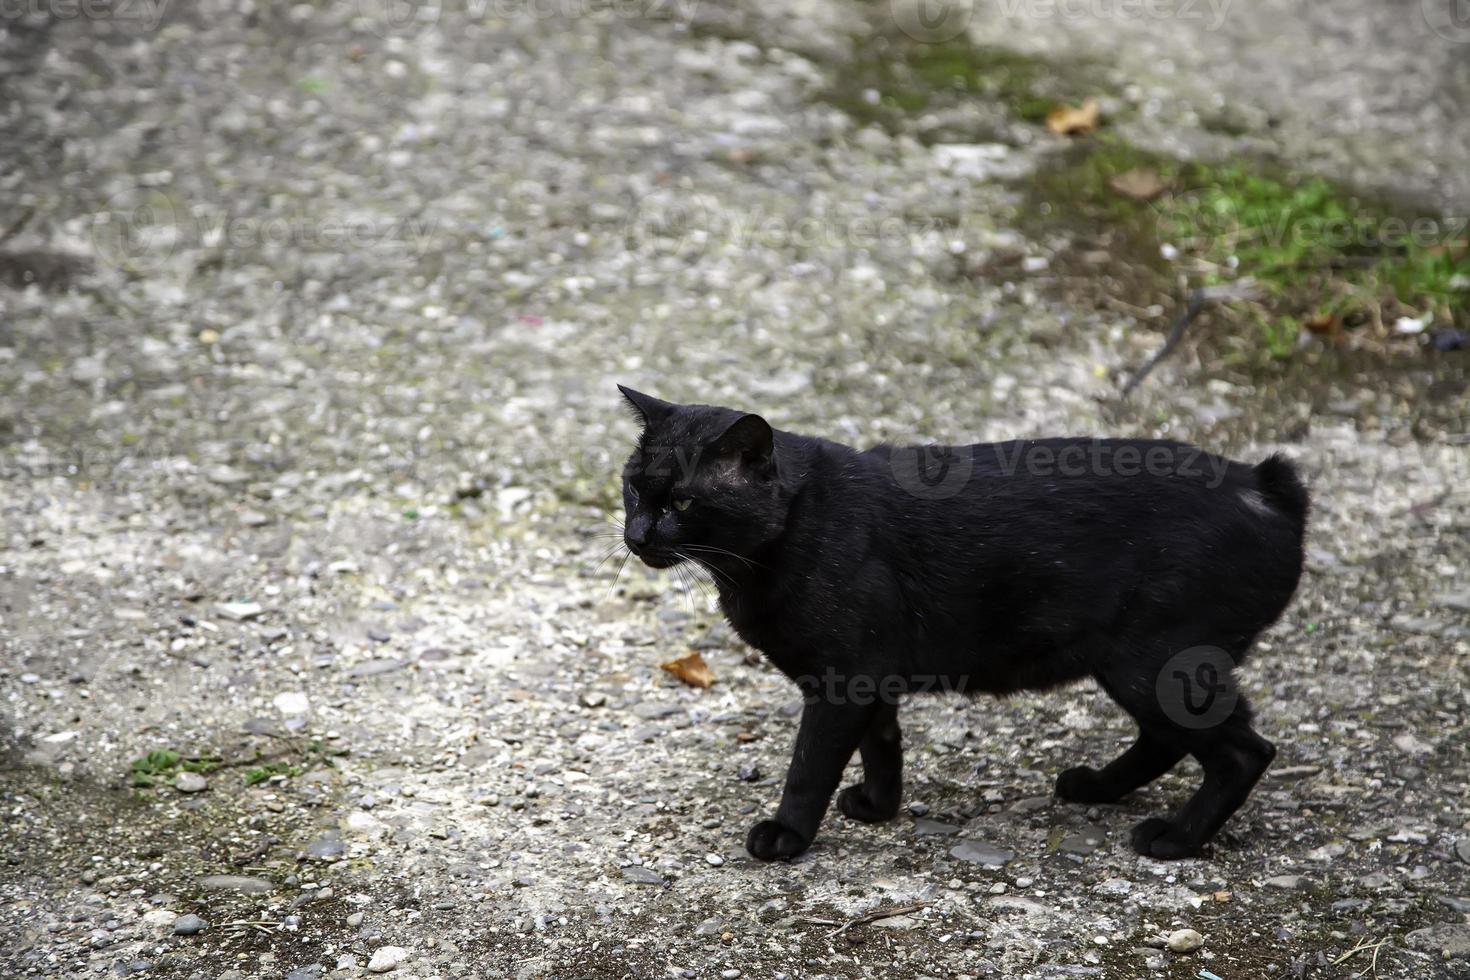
point(1191, 309)
point(1364, 946)
point(15, 226)
point(261, 924)
point(877, 915)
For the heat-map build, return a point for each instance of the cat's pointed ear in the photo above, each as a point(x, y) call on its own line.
point(750, 439)
point(646, 408)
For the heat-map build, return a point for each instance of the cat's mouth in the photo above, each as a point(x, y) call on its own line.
point(654, 559)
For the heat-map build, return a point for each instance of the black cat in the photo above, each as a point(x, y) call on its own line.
point(1147, 565)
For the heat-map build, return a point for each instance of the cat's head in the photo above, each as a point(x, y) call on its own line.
point(702, 482)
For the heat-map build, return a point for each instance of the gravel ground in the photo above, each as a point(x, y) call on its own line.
point(308, 346)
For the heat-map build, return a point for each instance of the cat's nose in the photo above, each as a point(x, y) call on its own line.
point(636, 533)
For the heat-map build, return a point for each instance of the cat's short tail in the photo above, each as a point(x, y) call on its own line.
point(1282, 486)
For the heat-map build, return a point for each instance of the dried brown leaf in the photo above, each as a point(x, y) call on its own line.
point(1066, 119)
point(691, 669)
point(1140, 183)
point(1328, 323)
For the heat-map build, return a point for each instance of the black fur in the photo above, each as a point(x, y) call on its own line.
point(862, 575)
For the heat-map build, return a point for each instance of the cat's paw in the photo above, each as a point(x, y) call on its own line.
point(1084, 785)
point(772, 841)
point(1161, 839)
point(855, 802)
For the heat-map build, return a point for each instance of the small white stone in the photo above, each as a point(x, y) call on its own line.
point(714, 860)
point(190, 782)
point(292, 703)
point(160, 922)
point(387, 958)
point(238, 611)
point(1184, 941)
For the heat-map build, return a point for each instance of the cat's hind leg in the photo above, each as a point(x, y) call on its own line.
point(876, 798)
point(1234, 758)
point(1148, 758)
point(1170, 706)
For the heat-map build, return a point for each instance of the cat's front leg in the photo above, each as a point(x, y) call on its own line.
point(831, 728)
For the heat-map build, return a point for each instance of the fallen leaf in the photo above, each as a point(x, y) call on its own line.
point(1323, 323)
point(1066, 119)
point(691, 669)
point(1140, 183)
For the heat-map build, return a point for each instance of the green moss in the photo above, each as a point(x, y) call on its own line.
point(163, 764)
point(1316, 248)
point(259, 774)
point(891, 78)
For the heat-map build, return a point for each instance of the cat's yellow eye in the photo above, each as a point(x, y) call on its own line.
point(682, 503)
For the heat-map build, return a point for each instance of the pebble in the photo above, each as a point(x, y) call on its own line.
point(291, 703)
point(226, 476)
point(1462, 849)
point(1450, 940)
point(748, 773)
point(1184, 941)
point(1079, 844)
point(1288, 883)
point(387, 958)
point(327, 846)
point(376, 667)
point(190, 782)
point(355, 919)
point(236, 883)
point(919, 809)
point(238, 611)
point(714, 860)
point(642, 876)
point(978, 852)
point(189, 924)
point(160, 920)
point(730, 974)
point(934, 828)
